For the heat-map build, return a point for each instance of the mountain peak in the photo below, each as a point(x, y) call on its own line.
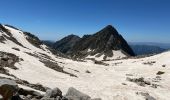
point(108, 30)
point(107, 43)
point(109, 26)
point(104, 42)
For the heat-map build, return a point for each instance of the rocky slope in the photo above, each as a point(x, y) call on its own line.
point(19, 51)
point(66, 44)
point(38, 72)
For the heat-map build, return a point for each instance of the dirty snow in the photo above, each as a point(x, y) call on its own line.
point(117, 54)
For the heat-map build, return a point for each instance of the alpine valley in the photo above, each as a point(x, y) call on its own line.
point(100, 66)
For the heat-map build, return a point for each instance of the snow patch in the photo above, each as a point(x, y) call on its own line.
point(117, 54)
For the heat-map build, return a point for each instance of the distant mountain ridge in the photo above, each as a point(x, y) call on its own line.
point(103, 43)
point(161, 45)
point(147, 49)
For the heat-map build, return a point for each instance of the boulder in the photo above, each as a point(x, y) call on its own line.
point(147, 96)
point(8, 88)
point(30, 93)
point(73, 94)
point(54, 93)
point(96, 99)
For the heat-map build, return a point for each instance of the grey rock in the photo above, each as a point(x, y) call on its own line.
point(7, 88)
point(148, 82)
point(146, 95)
point(150, 98)
point(73, 94)
point(96, 99)
point(8, 60)
point(154, 85)
point(54, 93)
point(140, 81)
point(8, 82)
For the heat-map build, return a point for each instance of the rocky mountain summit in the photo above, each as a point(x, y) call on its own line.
point(107, 43)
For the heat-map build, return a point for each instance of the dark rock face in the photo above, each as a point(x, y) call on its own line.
point(66, 44)
point(104, 41)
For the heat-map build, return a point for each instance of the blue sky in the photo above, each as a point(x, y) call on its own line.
point(136, 20)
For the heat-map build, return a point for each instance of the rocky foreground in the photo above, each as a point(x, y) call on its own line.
point(9, 90)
